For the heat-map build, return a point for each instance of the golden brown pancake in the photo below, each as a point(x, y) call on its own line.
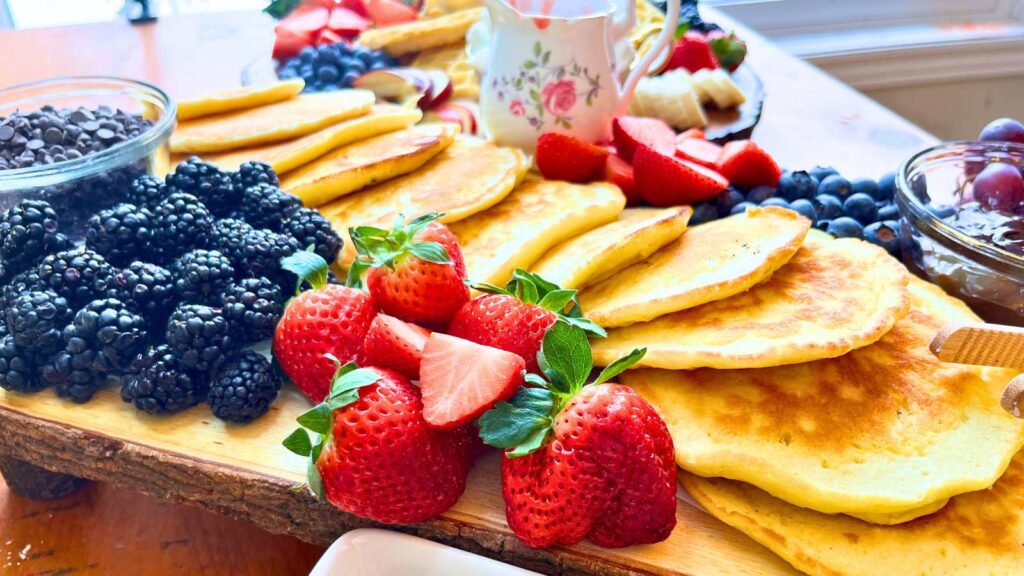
point(356, 166)
point(422, 34)
point(240, 98)
point(710, 262)
point(536, 216)
point(884, 429)
point(976, 533)
point(281, 121)
point(600, 253)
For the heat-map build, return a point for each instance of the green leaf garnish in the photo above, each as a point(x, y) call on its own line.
point(376, 247)
point(620, 365)
point(308, 267)
point(318, 419)
point(510, 424)
point(567, 353)
point(431, 252)
point(298, 442)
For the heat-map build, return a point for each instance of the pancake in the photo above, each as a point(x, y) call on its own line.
point(281, 121)
point(469, 177)
point(600, 253)
point(710, 262)
point(884, 429)
point(537, 215)
point(976, 533)
point(832, 297)
point(422, 34)
point(290, 154)
point(239, 98)
point(358, 165)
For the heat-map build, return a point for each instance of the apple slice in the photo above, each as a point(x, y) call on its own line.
point(396, 84)
point(459, 112)
point(440, 89)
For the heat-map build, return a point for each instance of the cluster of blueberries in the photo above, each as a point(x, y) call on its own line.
point(334, 66)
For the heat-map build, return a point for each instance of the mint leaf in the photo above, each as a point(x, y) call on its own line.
point(567, 353)
point(298, 442)
point(308, 266)
point(512, 423)
point(557, 300)
point(620, 365)
point(318, 419)
point(430, 252)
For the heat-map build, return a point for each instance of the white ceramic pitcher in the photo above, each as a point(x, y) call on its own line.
point(550, 68)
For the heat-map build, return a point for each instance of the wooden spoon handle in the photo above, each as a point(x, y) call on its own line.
point(980, 345)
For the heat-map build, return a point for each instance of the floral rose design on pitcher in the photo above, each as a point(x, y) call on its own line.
point(543, 92)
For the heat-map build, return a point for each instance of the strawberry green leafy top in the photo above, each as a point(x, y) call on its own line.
point(377, 247)
point(530, 288)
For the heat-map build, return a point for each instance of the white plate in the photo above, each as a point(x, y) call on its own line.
point(370, 552)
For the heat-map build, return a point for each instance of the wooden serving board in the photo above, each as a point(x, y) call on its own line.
point(244, 472)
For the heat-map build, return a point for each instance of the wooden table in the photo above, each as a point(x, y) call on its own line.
point(810, 118)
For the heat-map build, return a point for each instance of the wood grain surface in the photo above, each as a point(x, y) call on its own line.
point(810, 118)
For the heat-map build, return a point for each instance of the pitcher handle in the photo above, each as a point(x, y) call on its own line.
point(666, 36)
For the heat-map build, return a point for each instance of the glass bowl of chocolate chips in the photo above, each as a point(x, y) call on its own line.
point(962, 207)
point(79, 142)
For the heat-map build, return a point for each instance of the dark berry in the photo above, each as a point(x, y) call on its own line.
point(157, 383)
point(727, 200)
point(704, 212)
point(889, 212)
point(201, 274)
point(228, 238)
point(886, 187)
point(885, 235)
point(309, 227)
point(845, 227)
point(823, 224)
point(35, 321)
point(262, 253)
point(779, 202)
point(80, 275)
point(198, 336)
point(805, 208)
point(206, 182)
point(18, 369)
point(741, 207)
point(28, 232)
point(864, 186)
point(148, 289)
point(861, 207)
point(265, 206)
point(147, 191)
point(794, 185)
point(243, 388)
point(760, 194)
point(822, 172)
point(182, 223)
point(22, 282)
point(121, 234)
point(252, 307)
point(835, 185)
point(253, 173)
point(829, 207)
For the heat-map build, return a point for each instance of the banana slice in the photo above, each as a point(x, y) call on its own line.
point(699, 79)
point(728, 87)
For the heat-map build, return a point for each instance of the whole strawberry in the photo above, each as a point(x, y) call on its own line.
point(583, 461)
point(373, 454)
point(415, 272)
point(516, 317)
point(325, 320)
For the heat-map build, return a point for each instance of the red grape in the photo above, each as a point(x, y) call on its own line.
point(999, 187)
point(1003, 130)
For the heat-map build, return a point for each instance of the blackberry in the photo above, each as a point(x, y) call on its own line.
point(252, 307)
point(22, 282)
point(157, 383)
point(148, 289)
point(28, 232)
point(199, 336)
point(228, 238)
point(262, 252)
point(35, 321)
point(309, 227)
point(206, 182)
point(201, 274)
point(147, 191)
point(80, 275)
point(18, 369)
point(182, 223)
point(243, 388)
point(253, 173)
point(121, 234)
point(265, 206)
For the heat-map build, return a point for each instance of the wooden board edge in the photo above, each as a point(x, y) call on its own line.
point(267, 502)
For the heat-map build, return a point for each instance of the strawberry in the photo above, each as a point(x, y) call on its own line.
point(415, 272)
point(389, 12)
point(745, 163)
point(357, 6)
point(328, 36)
point(373, 455)
point(631, 132)
point(729, 49)
point(667, 181)
point(347, 23)
point(516, 317)
point(691, 133)
point(461, 380)
point(619, 172)
point(582, 460)
point(298, 30)
point(561, 157)
point(699, 151)
point(326, 320)
point(391, 343)
point(692, 52)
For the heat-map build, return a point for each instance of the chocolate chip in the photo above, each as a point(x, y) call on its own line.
point(6, 133)
point(35, 144)
point(53, 135)
point(104, 134)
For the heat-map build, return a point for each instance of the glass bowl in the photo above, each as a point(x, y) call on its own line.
point(79, 187)
point(944, 233)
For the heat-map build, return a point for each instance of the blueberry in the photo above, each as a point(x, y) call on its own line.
point(885, 235)
point(306, 70)
point(741, 208)
point(704, 212)
point(358, 67)
point(822, 172)
point(829, 207)
point(865, 186)
point(726, 200)
point(287, 74)
point(775, 202)
point(330, 88)
point(347, 62)
point(823, 225)
point(798, 184)
point(328, 74)
point(379, 66)
point(845, 227)
point(349, 78)
point(835, 185)
point(861, 207)
point(805, 208)
point(889, 212)
point(941, 211)
point(886, 186)
point(760, 194)
point(307, 54)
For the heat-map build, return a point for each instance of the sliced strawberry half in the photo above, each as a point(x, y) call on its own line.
point(630, 132)
point(619, 172)
point(347, 23)
point(460, 380)
point(745, 163)
point(391, 343)
point(700, 151)
point(561, 157)
point(691, 133)
point(664, 180)
point(389, 12)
